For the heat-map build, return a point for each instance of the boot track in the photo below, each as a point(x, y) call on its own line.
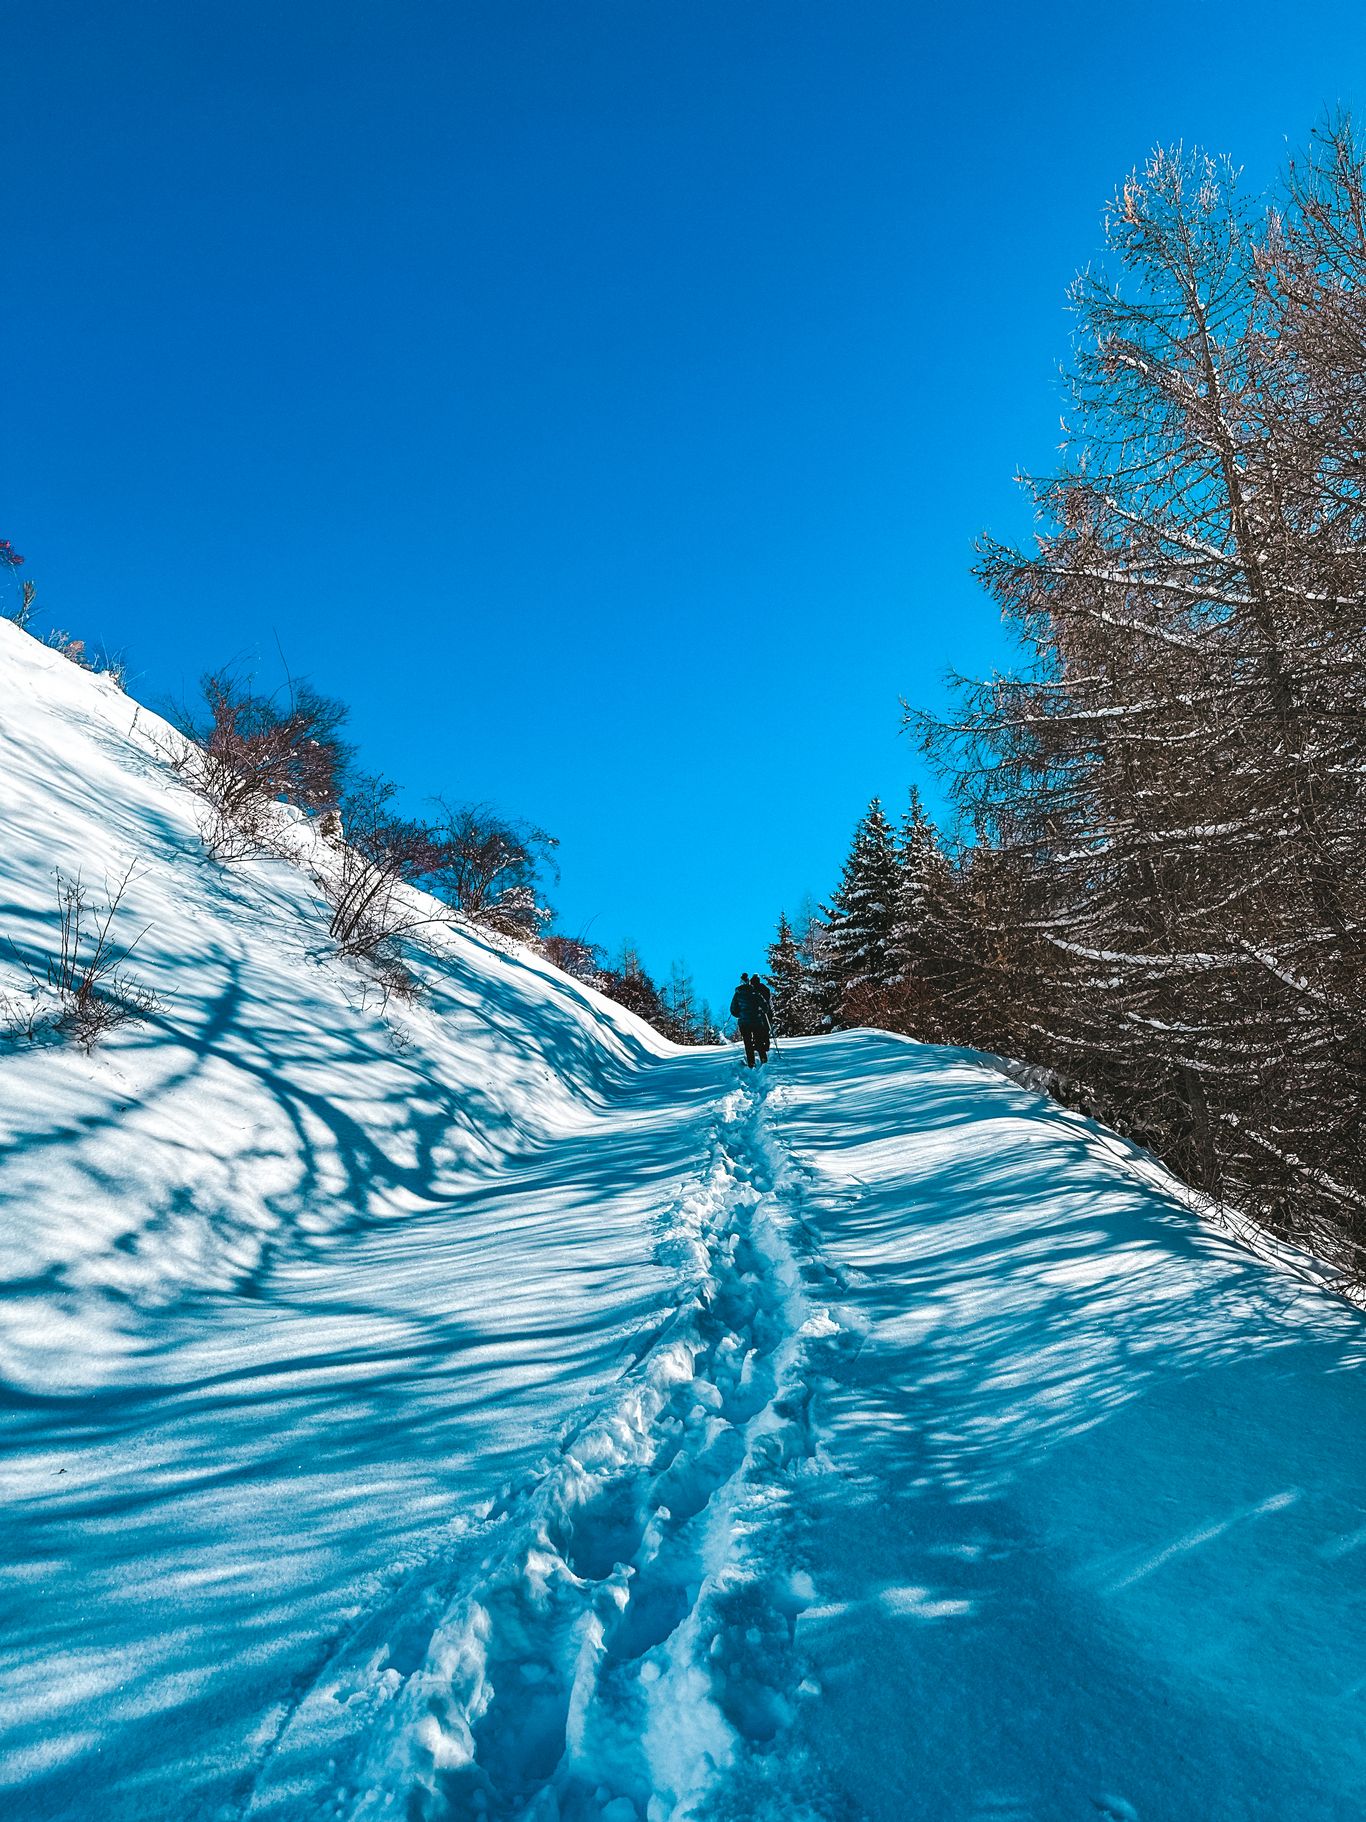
point(625, 1652)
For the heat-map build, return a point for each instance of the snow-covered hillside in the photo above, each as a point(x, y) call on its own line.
point(490, 1410)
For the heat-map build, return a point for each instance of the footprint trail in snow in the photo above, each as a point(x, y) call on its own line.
point(625, 1648)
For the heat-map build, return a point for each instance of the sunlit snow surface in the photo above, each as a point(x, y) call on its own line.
point(491, 1411)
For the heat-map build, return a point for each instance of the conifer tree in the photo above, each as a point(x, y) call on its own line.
point(822, 994)
point(1167, 903)
point(786, 980)
point(921, 934)
point(861, 920)
point(682, 1021)
point(628, 982)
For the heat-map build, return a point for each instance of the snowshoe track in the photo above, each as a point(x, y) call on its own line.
point(626, 1645)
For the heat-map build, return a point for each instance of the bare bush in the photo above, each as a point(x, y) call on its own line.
point(248, 751)
point(574, 956)
point(114, 666)
point(70, 648)
point(491, 870)
point(386, 977)
point(25, 610)
point(84, 989)
point(251, 829)
point(21, 1015)
point(367, 877)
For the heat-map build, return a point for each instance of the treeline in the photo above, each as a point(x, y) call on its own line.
point(1158, 883)
point(673, 1008)
point(865, 958)
point(246, 751)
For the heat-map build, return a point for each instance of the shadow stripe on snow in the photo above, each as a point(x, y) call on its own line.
point(625, 1648)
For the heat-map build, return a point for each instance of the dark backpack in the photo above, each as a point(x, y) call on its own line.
point(752, 1004)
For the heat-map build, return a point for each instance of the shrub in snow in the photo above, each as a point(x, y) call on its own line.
point(367, 880)
point(471, 864)
point(70, 647)
point(246, 751)
point(23, 613)
point(83, 989)
point(573, 955)
point(113, 666)
point(491, 870)
point(21, 1015)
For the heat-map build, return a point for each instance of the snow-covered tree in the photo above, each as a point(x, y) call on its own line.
point(916, 939)
point(1172, 788)
point(861, 921)
point(822, 993)
point(792, 1012)
point(627, 981)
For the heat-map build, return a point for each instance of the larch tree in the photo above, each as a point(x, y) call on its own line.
point(682, 1017)
point(1173, 787)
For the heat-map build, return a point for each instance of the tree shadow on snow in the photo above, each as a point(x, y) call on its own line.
point(1096, 1534)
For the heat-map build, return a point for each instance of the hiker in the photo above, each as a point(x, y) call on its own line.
point(752, 1007)
point(764, 994)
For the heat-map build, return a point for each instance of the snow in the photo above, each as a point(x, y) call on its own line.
point(479, 1407)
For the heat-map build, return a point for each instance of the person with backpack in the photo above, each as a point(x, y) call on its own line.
point(764, 995)
point(751, 1007)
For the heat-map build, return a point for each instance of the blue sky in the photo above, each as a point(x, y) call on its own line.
point(602, 398)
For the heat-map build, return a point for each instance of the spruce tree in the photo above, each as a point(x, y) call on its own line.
point(920, 934)
point(862, 918)
point(786, 981)
point(822, 993)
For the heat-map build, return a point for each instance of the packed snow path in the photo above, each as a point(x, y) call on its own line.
point(594, 1656)
point(481, 1409)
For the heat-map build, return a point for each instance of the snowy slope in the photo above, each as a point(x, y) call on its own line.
point(493, 1411)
